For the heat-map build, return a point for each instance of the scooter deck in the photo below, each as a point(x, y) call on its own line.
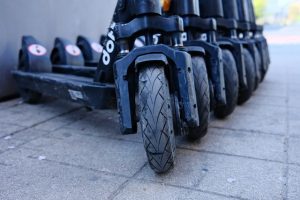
point(78, 89)
point(75, 70)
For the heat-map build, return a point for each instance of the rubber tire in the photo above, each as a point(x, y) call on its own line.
point(203, 98)
point(258, 63)
point(245, 95)
point(156, 118)
point(231, 86)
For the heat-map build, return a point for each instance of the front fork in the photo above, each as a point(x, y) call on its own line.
point(237, 47)
point(125, 70)
point(215, 69)
point(262, 46)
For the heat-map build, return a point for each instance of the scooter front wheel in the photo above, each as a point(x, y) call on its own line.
point(156, 118)
point(203, 98)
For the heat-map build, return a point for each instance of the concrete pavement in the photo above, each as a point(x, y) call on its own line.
point(57, 150)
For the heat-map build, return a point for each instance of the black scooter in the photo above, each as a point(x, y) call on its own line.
point(153, 84)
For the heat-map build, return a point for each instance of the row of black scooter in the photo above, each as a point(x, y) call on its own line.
point(166, 64)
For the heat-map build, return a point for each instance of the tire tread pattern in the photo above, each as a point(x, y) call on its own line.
point(156, 118)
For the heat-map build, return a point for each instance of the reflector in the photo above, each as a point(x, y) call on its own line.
point(166, 4)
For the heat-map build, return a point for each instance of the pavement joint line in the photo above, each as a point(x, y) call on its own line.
point(8, 123)
point(270, 105)
point(106, 137)
point(264, 104)
point(230, 155)
point(179, 146)
point(246, 130)
point(192, 189)
point(42, 122)
point(256, 114)
point(83, 168)
point(5, 165)
point(114, 194)
point(294, 136)
point(129, 178)
point(286, 148)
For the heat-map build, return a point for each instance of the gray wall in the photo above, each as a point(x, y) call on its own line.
point(46, 19)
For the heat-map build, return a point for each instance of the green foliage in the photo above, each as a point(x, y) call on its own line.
point(294, 12)
point(260, 7)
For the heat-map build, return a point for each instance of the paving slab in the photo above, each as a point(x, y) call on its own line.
point(227, 175)
point(294, 183)
point(7, 129)
point(262, 111)
point(268, 100)
point(294, 86)
point(15, 140)
point(103, 154)
point(254, 123)
point(25, 178)
point(7, 104)
point(294, 150)
point(273, 88)
point(29, 135)
point(294, 79)
point(294, 101)
point(240, 143)
point(29, 115)
point(146, 190)
point(63, 120)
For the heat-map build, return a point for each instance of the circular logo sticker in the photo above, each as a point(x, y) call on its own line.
point(73, 50)
point(97, 47)
point(37, 50)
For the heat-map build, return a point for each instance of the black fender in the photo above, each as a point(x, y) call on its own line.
point(262, 46)
point(250, 44)
point(179, 64)
point(237, 48)
point(161, 58)
point(33, 56)
point(215, 68)
point(66, 53)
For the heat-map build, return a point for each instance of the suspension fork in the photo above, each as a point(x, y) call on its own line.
point(111, 47)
